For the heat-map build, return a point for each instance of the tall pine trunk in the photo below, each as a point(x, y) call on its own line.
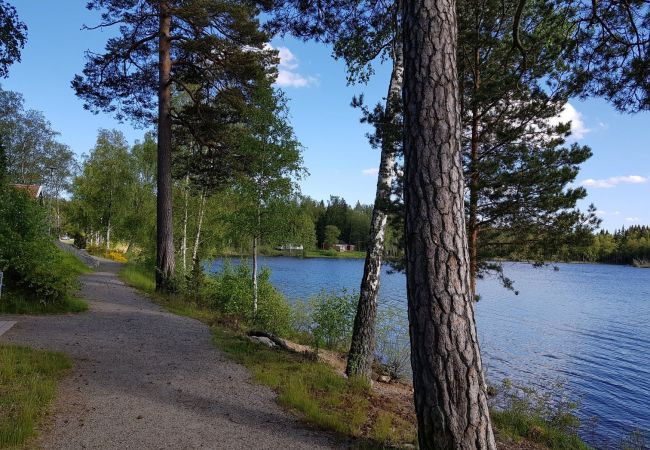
point(362, 347)
point(164, 226)
point(448, 380)
point(473, 226)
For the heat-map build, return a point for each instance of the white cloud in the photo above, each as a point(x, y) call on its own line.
point(600, 212)
point(288, 76)
point(370, 171)
point(570, 114)
point(613, 181)
point(632, 219)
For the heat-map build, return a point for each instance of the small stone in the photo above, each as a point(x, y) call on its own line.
point(384, 379)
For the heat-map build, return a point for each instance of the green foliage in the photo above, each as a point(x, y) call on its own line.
point(34, 268)
point(625, 246)
point(545, 418)
point(230, 292)
point(333, 317)
point(331, 234)
point(28, 380)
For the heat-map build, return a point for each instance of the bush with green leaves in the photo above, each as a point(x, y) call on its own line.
point(28, 257)
point(230, 291)
point(333, 318)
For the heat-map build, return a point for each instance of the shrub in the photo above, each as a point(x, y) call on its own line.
point(333, 318)
point(32, 264)
point(230, 291)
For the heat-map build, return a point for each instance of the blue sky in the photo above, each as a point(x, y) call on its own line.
point(337, 154)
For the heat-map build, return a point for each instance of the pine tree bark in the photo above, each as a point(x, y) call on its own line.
point(164, 226)
point(473, 226)
point(448, 380)
point(362, 348)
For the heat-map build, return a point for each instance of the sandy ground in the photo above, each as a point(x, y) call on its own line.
point(147, 379)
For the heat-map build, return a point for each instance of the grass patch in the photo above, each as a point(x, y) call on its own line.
point(519, 426)
point(72, 264)
point(139, 277)
point(317, 393)
point(28, 380)
point(13, 303)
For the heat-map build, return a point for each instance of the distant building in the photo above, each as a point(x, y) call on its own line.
point(290, 247)
point(342, 247)
point(34, 190)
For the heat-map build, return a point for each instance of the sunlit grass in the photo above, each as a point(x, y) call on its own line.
point(139, 277)
point(28, 380)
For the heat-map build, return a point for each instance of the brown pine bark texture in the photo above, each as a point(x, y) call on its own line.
point(449, 387)
point(164, 225)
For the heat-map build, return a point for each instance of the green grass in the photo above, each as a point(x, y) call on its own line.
point(317, 393)
point(518, 426)
point(139, 277)
point(17, 303)
point(14, 303)
point(73, 264)
point(28, 380)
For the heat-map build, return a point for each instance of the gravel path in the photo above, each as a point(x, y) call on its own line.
point(147, 379)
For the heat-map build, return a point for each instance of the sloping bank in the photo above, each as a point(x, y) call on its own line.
point(312, 385)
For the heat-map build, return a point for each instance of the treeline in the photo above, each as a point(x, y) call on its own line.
point(625, 246)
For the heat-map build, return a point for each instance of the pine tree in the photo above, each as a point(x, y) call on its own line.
point(448, 379)
point(210, 51)
point(13, 35)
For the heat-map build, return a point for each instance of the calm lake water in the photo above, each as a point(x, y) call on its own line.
point(584, 325)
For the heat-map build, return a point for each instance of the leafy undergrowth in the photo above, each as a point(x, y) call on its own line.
point(28, 380)
point(20, 303)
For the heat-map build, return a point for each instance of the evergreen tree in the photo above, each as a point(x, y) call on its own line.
point(211, 51)
point(448, 379)
point(13, 35)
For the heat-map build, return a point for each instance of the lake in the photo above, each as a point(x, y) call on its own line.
point(585, 325)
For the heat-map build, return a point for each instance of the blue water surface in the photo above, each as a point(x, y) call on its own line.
point(585, 325)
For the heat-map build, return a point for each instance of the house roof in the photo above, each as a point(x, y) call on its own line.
point(34, 190)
